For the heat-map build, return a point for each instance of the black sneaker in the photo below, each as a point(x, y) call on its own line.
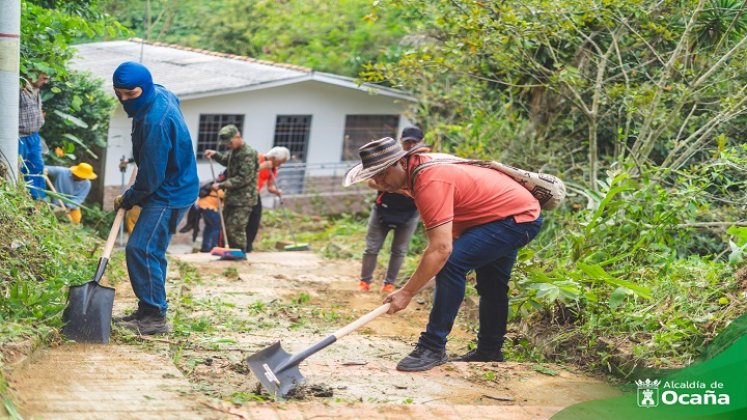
point(127, 318)
point(477, 355)
point(422, 359)
point(147, 325)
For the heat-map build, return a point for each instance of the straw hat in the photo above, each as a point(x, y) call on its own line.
point(376, 156)
point(83, 170)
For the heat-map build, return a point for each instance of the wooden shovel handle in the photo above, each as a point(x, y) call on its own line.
point(54, 190)
point(115, 226)
point(220, 207)
point(365, 319)
point(330, 339)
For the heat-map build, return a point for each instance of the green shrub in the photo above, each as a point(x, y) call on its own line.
point(39, 257)
point(618, 284)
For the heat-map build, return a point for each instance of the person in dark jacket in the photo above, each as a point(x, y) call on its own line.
point(165, 188)
point(390, 212)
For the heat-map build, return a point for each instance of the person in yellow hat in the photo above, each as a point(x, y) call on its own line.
point(73, 184)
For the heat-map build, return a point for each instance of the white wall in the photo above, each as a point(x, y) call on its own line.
point(328, 105)
point(119, 144)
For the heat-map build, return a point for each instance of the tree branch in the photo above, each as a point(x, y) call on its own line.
point(644, 143)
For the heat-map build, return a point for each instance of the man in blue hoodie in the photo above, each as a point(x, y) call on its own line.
point(165, 188)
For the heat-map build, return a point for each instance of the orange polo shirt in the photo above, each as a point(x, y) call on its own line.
point(264, 174)
point(468, 196)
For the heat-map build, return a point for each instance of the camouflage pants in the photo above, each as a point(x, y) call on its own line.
point(237, 217)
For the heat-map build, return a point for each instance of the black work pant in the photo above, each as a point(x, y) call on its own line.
point(253, 226)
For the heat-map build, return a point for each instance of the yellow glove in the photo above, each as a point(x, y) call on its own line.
point(118, 202)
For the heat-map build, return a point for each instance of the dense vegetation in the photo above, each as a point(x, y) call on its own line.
point(40, 256)
point(334, 36)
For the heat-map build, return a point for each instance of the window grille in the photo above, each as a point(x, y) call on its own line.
point(292, 131)
point(361, 129)
point(210, 124)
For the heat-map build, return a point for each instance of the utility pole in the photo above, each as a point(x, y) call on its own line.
point(10, 47)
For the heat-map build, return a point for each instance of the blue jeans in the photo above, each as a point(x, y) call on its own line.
point(490, 250)
point(146, 254)
point(212, 229)
point(375, 237)
point(30, 149)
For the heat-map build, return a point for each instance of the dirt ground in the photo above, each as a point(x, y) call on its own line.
point(222, 312)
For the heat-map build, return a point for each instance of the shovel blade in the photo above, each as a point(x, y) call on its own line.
point(88, 314)
point(264, 364)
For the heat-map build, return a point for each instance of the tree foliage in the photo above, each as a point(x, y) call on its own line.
point(77, 109)
point(333, 36)
point(49, 27)
point(79, 120)
point(651, 82)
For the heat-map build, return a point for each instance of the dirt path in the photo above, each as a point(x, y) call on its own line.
point(222, 312)
point(94, 382)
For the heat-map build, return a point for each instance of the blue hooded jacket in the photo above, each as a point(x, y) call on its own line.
point(161, 144)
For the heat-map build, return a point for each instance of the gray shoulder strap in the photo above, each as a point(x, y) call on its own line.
point(437, 159)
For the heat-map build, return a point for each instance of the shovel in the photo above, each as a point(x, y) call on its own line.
point(122, 191)
point(295, 246)
point(277, 370)
point(88, 315)
point(54, 190)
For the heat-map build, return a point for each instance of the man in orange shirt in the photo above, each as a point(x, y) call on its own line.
point(475, 218)
point(269, 164)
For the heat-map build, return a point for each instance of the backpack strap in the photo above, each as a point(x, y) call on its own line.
point(549, 190)
point(440, 159)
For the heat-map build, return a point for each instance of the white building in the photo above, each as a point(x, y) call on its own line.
point(322, 118)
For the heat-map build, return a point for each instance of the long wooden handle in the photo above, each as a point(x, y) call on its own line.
point(220, 207)
point(365, 319)
point(115, 226)
point(331, 339)
point(54, 190)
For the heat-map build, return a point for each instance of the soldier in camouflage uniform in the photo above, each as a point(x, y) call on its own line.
point(240, 185)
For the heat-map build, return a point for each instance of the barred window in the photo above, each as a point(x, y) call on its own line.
point(210, 124)
point(292, 131)
point(361, 129)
